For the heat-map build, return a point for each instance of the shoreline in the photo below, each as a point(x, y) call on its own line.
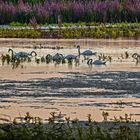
point(60, 44)
point(87, 39)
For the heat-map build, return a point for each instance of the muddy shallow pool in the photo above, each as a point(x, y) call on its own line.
point(75, 89)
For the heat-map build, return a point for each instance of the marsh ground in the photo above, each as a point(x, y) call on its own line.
point(75, 90)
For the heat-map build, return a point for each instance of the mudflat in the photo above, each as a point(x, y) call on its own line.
point(75, 90)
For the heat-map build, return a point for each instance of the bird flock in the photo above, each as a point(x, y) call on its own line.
point(16, 58)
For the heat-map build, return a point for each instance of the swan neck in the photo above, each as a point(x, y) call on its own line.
point(10, 50)
point(89, 62)
point(34, 53)
point(79, 51)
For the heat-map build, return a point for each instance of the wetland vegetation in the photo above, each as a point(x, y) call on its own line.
point(106, 31)
point(87, 83)
point(70, 19)
point(30, 128)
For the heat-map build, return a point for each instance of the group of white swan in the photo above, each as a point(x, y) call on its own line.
point(59, 56)
point(96, 62)
point(85, 53)
point(22, 54)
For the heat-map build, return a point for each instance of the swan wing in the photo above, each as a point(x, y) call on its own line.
point(88, 52)
point(99, 62)
point(22, 54)
point(70, 56)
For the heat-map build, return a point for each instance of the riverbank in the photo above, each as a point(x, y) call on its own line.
point(29, 43)
point(106, 31)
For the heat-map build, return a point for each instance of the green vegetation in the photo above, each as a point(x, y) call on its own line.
point(72, 31)
point(99, 32)
point(65, 132)
point(31, 128)
point(21, 33)
point(17, 24)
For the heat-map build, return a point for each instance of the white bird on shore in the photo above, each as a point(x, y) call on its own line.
point(96, 62)
point(86, 52)
point(22, 54)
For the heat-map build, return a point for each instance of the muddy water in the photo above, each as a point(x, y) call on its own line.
point(76, 90)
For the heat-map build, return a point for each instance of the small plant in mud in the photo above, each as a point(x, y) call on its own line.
point(126, 55)
point(15, 63)
point(28, 118)
point(55, 117)
point(105, 115)
point(29, 129)
point(103, 57)
point(5, 58)
point(63, 61)
point(89, 118)
point(123, 56)
point(53, 48)
point(67, 120)
point(70, 61)
point(126, 118)
point(109, 59)
point(59, 47)
point(37, 60)
point(43, 59)
point(76, 120)
point(29, 59)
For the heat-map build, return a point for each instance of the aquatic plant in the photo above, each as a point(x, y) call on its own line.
point(3, 58)
point(43, 59)
point(126, 55)
point(89, 118)
point(105, 115)
point(37, 60)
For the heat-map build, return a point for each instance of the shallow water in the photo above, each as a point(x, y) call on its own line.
point(76, 90)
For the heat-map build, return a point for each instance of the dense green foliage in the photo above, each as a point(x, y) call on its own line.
point(66, 132)
point(25, 33)
point(71, 31)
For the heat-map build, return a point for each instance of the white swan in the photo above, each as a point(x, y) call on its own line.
point(86, 52)
point(96, 62)
point(22, 54)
